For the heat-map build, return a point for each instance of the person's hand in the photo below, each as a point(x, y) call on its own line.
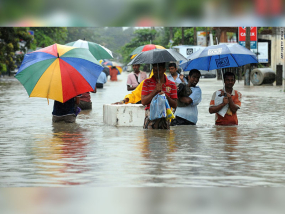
point(225, 100)
point(119, 103)
point(158, 87)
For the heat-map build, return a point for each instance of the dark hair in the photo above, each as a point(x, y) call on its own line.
point(161, 64)
point(172, 65)
point(228, 74)
point(194, 71)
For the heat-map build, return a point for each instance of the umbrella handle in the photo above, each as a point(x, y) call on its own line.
point(158, 73)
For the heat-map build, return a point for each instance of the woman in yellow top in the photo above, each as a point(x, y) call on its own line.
point(135, 96)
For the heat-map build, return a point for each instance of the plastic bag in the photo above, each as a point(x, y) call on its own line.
point(157, 107)
point(169, 113)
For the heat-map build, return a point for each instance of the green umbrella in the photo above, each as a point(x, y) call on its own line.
point(98, 51)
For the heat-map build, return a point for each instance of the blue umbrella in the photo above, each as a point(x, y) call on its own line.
point(219, 56)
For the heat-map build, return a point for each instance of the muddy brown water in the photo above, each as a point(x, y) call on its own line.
point(35, 152)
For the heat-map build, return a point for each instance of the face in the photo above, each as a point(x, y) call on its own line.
point(136, 68)
point(194, 79)
point(172, 70)
point(160, 68)
point(229, 81)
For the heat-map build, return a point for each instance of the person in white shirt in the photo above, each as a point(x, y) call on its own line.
point(188, 115)
point(174, 76)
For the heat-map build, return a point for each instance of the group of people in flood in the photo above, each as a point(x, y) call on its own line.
point(182, 93)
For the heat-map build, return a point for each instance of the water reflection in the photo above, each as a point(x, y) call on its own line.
point(63, 157)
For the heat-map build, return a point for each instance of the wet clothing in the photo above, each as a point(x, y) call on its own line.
point(64, 111)
point(169, 88)
point(180, 121)
point(102, 79)
point(85, 101)
point(66, 118)
point(135, 79)
point(99, 85)
point(190, 112)
point(229, 118)
point(113, 74)
point(161, 123)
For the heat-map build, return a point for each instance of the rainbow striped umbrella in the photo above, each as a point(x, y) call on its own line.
point(145, 48)
point(59, 72)
point(109, 64)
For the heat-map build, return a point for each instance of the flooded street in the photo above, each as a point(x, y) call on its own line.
point(34, 152)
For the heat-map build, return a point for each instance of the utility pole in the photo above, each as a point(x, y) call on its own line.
point(182, 35)
point(247, 67)
point(195, 36)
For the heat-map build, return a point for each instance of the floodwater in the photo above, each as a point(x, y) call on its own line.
point(34, 152)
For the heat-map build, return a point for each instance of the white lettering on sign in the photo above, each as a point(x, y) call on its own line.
point(244, 34)
point(215, 51)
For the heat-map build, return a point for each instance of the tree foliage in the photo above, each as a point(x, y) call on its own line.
point(13, 39)
point(46, 36)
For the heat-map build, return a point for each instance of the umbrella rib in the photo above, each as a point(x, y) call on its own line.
point(235, 60)
point(209, 63)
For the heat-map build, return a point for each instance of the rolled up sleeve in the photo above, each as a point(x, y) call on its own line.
point(196, 96)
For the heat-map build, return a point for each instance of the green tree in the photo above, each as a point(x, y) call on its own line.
point(13, 39)
point(141, 37)
point(46, 36)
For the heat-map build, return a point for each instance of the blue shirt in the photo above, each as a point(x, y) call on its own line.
point(102, 78)
point(190, 112)
point(178, 80)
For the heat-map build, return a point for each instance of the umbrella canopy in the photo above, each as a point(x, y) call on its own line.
point(98, 51)
point(219, 56)
point(157, 56)
point(110, 64)
point(59, 72)
point(101, 61)
point(145, 48)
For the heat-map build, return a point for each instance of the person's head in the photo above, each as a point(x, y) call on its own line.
point(158, 67)
point(194, 77)
point(113, 67)
point(136, 68)
point(172, 68)
point(229, 79)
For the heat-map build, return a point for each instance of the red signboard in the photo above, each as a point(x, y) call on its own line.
point(242, 34)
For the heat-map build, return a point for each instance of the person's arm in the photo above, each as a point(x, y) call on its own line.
point(233, 107)
point(126, 100)
point(186, 100)
point(131, 88)
point(146, 99)
point(217, 108)
point(194, 98)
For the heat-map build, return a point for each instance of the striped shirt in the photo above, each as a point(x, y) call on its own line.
point(169, 88)
point(230, 118)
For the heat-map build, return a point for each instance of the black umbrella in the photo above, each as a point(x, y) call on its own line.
point(157, 56)
point(106, 71)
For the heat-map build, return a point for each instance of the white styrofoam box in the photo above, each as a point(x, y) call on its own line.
point(124, 114)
